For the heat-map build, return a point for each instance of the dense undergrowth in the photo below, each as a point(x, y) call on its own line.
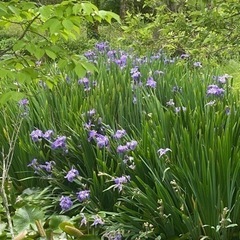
point(132, 137)
point(144, 148)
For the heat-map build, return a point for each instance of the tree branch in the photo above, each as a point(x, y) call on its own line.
point(21, 37)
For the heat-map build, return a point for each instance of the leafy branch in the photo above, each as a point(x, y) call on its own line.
point(2, 52)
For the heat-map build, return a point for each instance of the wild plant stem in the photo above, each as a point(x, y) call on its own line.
point(7, 160)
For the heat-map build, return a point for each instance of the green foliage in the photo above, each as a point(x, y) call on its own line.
point(206, 30)
point(191, 192)
point(43, 29)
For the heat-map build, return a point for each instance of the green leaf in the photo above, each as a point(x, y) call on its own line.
point(89, 66)
point(88, 8)
point(80, 70)
point(76, 8)
point(31, 47)
point(55, 221)
point(39, 53)
point(51, 54)
point(25, 218)
point(67, 24)
point(72, 231)
point(46, 11)
point(14, 9)
point(53, 24)
point(19, 45)
point(10, 95)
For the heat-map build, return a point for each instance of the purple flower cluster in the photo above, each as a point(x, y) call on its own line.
point(37, 135)
point(73, 173)
point(59, 143)
point(215, 90)
point(119, 134)
point(122, 61)
point(102, 46)
point(85, 82)
point(48, 166)
point(90, 55)
point(136, 75)
point(222, 79)
point(97, 221)
point(102, 140)
point(119, 181)
point(83, 195)
point(151, 82)
point(48, 134)
point(66, 203)
point(24, 102)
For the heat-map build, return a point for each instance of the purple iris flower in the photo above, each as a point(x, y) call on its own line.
point(102, 46)
point(119, 134)
point(92, 134)
point(132, 145)
point(102, 141)
point(60, 142)
point(163, 151)
point(90, 55)
point(84, 220)
point(36, 135)
point(48, 166)
point(85, 82)
point(66, 203)
point(214, 90)
point(73, 173)
point(222, 79)
point(119, 181)
point(48, 134)
point(111, 53)
point(34, 164)
point(122, 148)
point(24, 102)
point(135, 74)
point(97, 221)
point(83, 195)
point(151, 82)
point(91, 112)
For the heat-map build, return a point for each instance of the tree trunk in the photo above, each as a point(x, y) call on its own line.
point(123, 8)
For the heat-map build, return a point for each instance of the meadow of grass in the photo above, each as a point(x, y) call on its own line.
point(145, 148)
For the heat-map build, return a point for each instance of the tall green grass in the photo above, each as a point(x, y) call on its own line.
point(191, 192)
